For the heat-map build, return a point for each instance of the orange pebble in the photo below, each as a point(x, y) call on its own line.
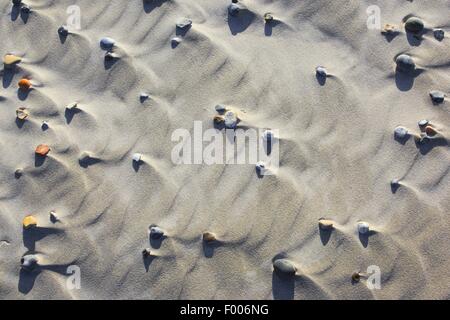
point(430, 131)
point(24, 84)
point(42, 150)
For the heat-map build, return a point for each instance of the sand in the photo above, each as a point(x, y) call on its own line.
point(338, 154)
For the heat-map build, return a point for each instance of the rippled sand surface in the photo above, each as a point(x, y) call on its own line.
point(337, 149)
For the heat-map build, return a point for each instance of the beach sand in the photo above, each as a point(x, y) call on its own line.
point(337, 151)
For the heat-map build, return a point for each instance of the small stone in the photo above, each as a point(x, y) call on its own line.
point(137, 157)
point(325, 224)
point(439, 34)
point(143, 96)
point(209, 237)
point(430, 131)
point(184, 23)
point(218, 119)
point(53, 217)
point(29, 222)
point(18, 173)
point(24, 84)
point(176, 41)
point(84, 156)
point(156, 232)
point(268, 135)
point(261, 167)
point(414, 25)
point(284, 266)
point(63, 31)
point(29, 262)
point(10, 60)
point(72, 106)
point(146, 253)
point(363, 227)
point(109, 57)
point(423, 123)
point(25, 9)
point(233, 9)
point(389, 28)
point(395, 183)
point(268, 17)
point(22, 113)
point(107, 43)
point(405, 63)
point(220, 108)
point(437, 96)
point(400, 133)
point(356, 276)
point(44, 125)
point(42, 150)
point(321, 71)
point(230, 119)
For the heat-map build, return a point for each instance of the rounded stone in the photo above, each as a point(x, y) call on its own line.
point(321, 71)
point(184, 23)
point(24, 84)
point(423, 123)
point(233, 9)
point(146, 253)
point(29, 222)
point(22, 113)
point(414, 25)
point(400, 133)
point(356, 276)
point(156, 232)
point(220, 108)
point(63, 31)
point(405, 63)
point(363, 227)
point(437, 96)
point(209, 237)
point(107, 43)
point(325, 224)
point(25, 9)
point(268, 17)
point(230, 120)
point(439, 34)
point(42, 150)
point(260, 167)
point(284, 266)
point(11, 60)
point(29, 262)
point(137, 157)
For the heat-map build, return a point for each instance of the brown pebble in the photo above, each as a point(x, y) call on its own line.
point(325, 224)
point(29, 222)
point(42, 150)
point(430, 131)
point(209, 237)
point(22, 113)
point(356, 276)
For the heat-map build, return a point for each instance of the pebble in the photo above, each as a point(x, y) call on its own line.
point(437, 96)
point(22, 113)
point(325, 224)
point(42, 150)
point(430, 131)
point(146, 252)
point(18, 173)
point(284, 266)
point(10, 60)
point(53, 217)
point(63, 31)
point(400, 133)
point(176, 41)
point(230, 119)
point(261, 167)
point(44, 125)
point(405, 63)
point(321, 71)
point(143, 96)
point(233, 9)
point(25, 9)
point(389, 28)
point(24, 84)
point(220, 108)
point(184, 23)
point(439, 34)
point(218, 119)
point(72, 106)
point(363, 227)
point(156, 232)
point(137, 157)
point(268, 135)
point(414, 25)
point(29, 222)
point(29, 262)
point(423, 123)
point(84, 156)
point(209, 237)
point(107, 43)
point(356, 276)
point(395, 183)
point(109, 56)
point(268, 17)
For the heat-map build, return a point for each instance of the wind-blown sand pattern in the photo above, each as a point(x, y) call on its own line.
point(338, 153)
